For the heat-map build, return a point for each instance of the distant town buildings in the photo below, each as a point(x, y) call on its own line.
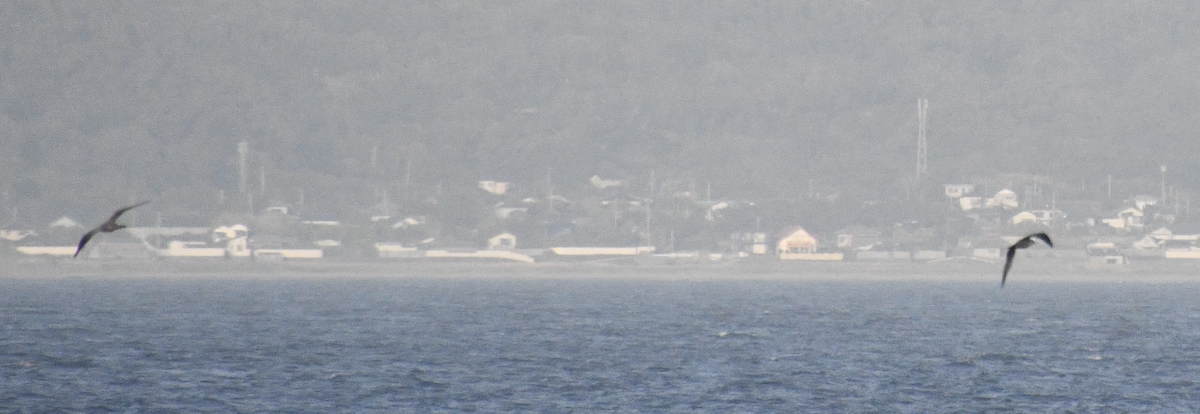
point(554, 227)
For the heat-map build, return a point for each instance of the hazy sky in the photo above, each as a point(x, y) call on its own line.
point(102, 103)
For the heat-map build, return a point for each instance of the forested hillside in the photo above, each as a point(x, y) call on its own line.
point(346, 103)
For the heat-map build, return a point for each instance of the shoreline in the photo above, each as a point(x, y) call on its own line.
point(960, 270)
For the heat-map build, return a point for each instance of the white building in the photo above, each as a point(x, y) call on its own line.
point(958, 190)
point(503, 241)
point(1004, 198)
point(1130, 218)
point(494, 187)
point(601, 183)
point(970, 203)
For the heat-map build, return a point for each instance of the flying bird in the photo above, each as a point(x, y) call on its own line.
point(108, 226)
point(1021, 244)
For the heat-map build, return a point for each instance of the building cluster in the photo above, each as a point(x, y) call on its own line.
point(1140, 228)
point(987, 223)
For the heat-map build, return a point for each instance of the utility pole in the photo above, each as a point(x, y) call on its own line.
point(407, 171)
point(1110, 186)
point(651, 184)
point(922, 144)
point(1162, 169)
point(157, 226)
point(649, 235)
point(1175, 197)
point(262, 175)
point(650, 211)
point(242, 148)
point(549, 191)
point(385, 200)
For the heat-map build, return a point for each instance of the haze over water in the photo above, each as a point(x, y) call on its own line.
point(663, 344)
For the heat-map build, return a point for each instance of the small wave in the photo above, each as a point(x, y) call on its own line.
point(989, 356)
point(220, 373)
point(1022, 332)
point(661, 368)
point(965, 362)
point(971, 360)
point(69, 362)
point(21, 364)
point(419, 375)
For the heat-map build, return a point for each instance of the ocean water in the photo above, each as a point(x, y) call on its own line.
point(486, 344)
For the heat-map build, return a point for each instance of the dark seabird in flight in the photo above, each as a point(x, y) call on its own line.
point(108, 226)
point(1021, 244)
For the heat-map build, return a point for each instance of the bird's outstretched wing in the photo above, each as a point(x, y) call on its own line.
point(1012, 252)
point(85, 239)
point(1043, 237)
point(118, 213)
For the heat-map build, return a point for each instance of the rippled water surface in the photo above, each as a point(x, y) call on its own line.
point(483, 344)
